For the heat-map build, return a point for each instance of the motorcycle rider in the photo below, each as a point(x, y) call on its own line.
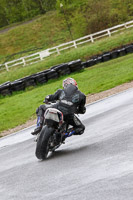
point(70, 102)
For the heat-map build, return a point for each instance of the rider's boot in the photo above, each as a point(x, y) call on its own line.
point(39, 126)
point(68, 134)
point(79, 131)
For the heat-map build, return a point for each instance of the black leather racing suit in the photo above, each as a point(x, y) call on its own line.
point(71, 102)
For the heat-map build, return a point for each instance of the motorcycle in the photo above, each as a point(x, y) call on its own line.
point(53, 133)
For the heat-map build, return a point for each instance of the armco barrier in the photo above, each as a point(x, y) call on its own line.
point(59, 70)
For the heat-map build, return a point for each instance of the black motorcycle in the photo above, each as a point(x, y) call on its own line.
point(53, 133)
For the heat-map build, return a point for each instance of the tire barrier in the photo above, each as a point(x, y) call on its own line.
point(90, 63)
point(75, 65)
point(17, 85)
point(62, 69)
point(59, 70)
point(106, 57)
point(51, 74)
point(122, 52)
point(98, 59)
point(5, 89)
point(129, 48)
point(28, 81)
point(114, 54)
point(40, 78)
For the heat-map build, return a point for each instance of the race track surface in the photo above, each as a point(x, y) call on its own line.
point(97, 165)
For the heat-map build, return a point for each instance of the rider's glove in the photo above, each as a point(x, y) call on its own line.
point(82, 110)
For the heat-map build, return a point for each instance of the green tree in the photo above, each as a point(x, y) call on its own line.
point(19, 10)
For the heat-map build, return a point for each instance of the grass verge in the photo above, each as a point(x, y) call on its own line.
point(21, 106)
point(83, 53)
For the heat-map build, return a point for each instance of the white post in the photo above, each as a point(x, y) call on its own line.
point(41, 57)
point(7, 69)
point(24, 62)
point(75, 44)
point(58, 51)
point(125, 26)
point(92, 40)
point(109, 33)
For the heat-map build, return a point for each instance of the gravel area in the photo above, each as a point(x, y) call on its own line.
point(90, 98)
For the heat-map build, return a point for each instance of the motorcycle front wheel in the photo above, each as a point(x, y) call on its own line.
point(42, 146)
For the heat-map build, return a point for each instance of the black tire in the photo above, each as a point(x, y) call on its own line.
point(42, 147)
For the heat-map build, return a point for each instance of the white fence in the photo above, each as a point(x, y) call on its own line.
point(36, 57)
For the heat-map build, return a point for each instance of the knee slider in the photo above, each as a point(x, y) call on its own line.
point(42, 107)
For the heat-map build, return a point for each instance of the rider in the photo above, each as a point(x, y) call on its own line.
point(71, 102)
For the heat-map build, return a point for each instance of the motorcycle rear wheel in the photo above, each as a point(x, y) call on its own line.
point(42, 146)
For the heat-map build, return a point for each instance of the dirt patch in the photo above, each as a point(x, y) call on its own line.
point(90, 98)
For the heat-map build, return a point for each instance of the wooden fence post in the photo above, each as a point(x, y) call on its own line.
point(109, 33)
point(7, 69)
point(58, 50)
point(75, 44)
point(24, 62)
point(92, 40)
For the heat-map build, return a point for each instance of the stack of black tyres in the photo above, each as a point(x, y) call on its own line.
point(106, 57)
point(83, 64)
point(90, 62)
point(17, 85)
point(51, 74)
point(121, 52)
point(129, 48)
point(5, 89)
point(98, 59)
point(62, 69)
point(29, 81)
point(40, 77)
point(114, 54)
point(23, 83)
point(75, 65)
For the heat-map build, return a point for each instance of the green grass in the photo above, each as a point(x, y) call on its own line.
point(43, 32)
point(20, 107)
point(83, 53)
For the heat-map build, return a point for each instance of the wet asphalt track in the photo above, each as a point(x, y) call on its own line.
point(95, 166)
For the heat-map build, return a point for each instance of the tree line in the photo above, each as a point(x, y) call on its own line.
point(92, 16)
point(103, 12)
point(12, 11)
